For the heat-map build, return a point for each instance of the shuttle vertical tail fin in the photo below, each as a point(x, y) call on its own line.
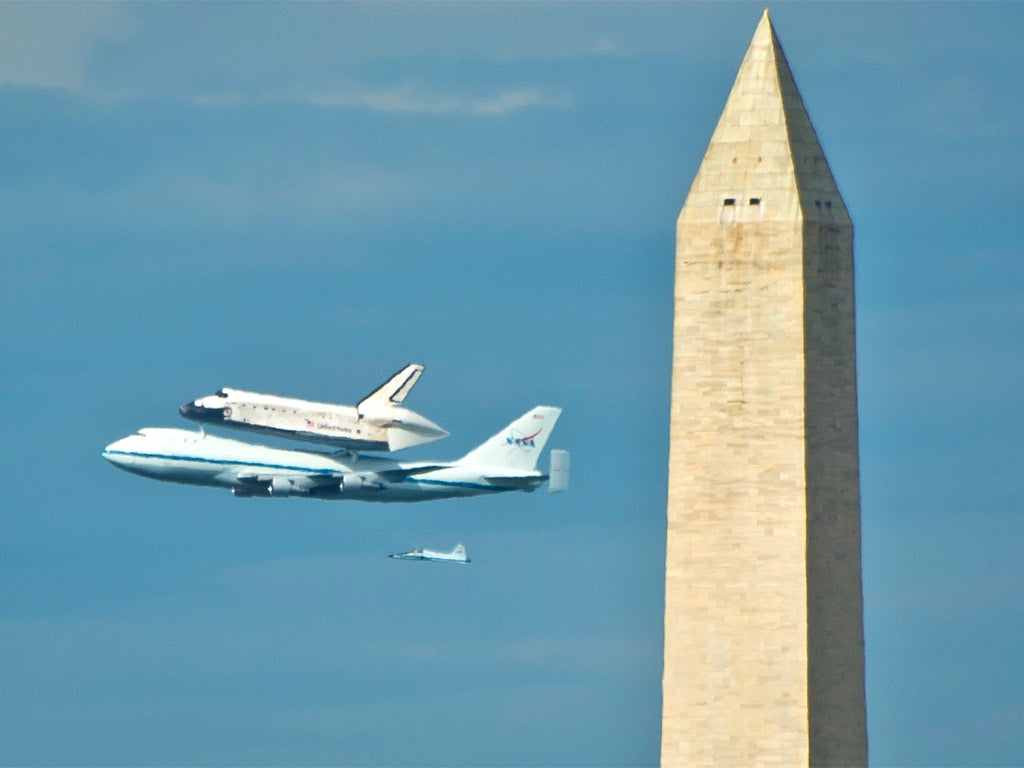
point(394, 390)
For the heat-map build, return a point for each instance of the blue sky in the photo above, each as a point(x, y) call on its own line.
point(301, 198)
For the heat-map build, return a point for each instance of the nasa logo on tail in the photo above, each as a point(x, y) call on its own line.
point(526, 443)
point(515, 440)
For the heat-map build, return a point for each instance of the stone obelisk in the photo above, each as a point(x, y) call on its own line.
point(764, 641)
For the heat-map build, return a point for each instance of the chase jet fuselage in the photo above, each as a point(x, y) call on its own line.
point(377, 423)
point(506, 462)
point(457, 555)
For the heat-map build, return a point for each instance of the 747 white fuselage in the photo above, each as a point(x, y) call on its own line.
point(506, 462)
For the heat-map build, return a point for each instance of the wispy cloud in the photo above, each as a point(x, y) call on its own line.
point(54, 46)
point(49, 45)
point(406, 99)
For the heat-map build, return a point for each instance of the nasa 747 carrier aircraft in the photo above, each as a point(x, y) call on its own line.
point(506, 462)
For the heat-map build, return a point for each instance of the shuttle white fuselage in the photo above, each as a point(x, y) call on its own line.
point(377, 423)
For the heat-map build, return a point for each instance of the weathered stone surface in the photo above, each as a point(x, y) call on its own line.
point(764, 659)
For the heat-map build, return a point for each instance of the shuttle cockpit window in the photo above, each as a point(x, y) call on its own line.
point(221, 393)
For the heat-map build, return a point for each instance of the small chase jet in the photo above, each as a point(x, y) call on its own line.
point(506, 462)
point(457, 555)
point(377, 423)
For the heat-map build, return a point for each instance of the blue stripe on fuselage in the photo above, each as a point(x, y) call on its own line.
point(459, 484)
point(305, 470)
point(222, 462)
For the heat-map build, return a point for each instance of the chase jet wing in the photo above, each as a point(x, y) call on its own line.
point(457, 555)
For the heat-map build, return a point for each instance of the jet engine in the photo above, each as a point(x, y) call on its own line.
point(248, 491)
point(280, 486)
point(360, 481)
point(274, 486)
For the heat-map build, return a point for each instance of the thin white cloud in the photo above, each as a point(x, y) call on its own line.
point(54, 45)
point(49, 45)
point(514, 101)
point(404, 99)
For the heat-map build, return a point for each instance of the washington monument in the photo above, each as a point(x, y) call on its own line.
point(764, 640)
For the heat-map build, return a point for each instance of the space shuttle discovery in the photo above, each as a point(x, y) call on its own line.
point(377, 423)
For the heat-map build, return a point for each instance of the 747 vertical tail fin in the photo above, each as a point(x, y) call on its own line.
point(519, 445)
